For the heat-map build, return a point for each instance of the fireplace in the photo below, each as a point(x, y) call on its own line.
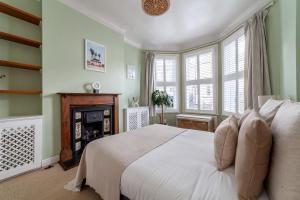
point(87, 124)
point(84, 118)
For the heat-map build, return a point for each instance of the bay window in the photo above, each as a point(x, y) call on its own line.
point(166, 78)
point(200, 85)
point(233, 70)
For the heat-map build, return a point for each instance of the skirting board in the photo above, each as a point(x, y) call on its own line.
point(50, 161)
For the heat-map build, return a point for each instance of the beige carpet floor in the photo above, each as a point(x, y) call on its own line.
point(44, 184)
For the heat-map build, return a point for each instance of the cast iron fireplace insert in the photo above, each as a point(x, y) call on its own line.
point(89, 123)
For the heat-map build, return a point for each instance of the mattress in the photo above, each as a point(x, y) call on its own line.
point(183, 168)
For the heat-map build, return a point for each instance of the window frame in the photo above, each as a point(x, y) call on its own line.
point(237, 75)
point(166, 84)
point(197, 82)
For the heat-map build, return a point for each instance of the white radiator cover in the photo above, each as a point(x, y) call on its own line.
point(137, 117)
point(20, 145)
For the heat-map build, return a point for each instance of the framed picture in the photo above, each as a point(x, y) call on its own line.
point(95, 56)
point(131, 72)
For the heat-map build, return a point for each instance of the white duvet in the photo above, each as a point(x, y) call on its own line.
point(183, 168)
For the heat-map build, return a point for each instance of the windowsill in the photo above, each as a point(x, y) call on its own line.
point(230, 114)
point(200, 113)
point(168, 112)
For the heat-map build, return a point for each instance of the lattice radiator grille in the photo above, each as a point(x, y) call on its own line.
point(16, 147)
point(133, 120)
point(20, 146)
point(136, 118)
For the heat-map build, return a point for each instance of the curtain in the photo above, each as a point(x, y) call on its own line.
point(257, 59)
point(149, 83)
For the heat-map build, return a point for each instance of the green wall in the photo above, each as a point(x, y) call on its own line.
point(64, 31)
point(298, 49)
point(281, 32)
point(12, 105)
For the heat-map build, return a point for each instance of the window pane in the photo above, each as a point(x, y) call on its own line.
point(191, 68)
point(206, 65)
point(171, 91)
point(241, 53)
point(160, 88)
point(230, 58)
point(159, 70)
point(241, 96)
point(206, 97)
point(230, 96)
point(192, 97)
point(170, 70)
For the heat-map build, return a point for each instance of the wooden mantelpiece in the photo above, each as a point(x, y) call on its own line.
point(69, 100)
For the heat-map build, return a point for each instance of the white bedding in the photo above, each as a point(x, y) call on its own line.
point(183, 168)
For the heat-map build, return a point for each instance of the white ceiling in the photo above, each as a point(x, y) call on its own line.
point(187, 24)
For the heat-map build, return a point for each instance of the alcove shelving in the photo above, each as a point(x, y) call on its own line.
point(25, 16)
point(20, 92)
point(20, 14)
point(19, 65)
point(18, 39)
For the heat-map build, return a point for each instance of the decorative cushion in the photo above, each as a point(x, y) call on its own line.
point(252, 156)
point(244, 116)
point(284, 177)
point(269, 110)
point(226, 136)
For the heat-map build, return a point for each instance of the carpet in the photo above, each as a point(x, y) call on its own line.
point(44, 184)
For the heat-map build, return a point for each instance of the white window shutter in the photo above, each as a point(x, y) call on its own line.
point(192, 97)
point(170, 69)
point(229, 97)
point(230, 58)
point(233, 74)
point(206, 65)
point(200, 81)
point(159, 70)
point(166, 77)
point(191, 68)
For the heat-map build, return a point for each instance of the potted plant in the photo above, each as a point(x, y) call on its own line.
point(161, 99)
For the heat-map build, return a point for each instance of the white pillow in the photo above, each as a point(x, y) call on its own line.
point(284, 177)
point(269, 110)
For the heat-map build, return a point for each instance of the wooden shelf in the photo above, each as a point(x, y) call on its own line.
point(19, 65)
point(20, 92)
point(20, 14)
point(18, 39)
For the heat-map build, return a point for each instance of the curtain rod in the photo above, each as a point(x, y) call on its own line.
point(269, 5)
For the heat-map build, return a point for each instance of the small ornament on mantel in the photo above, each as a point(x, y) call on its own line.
point(134, 102)
point(96, 87)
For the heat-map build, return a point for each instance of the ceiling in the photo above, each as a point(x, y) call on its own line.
point(187, 24)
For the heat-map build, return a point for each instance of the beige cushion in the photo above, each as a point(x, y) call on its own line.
point(269, 110)
point(225, 142)
point(244, 116)
point(252, 156)
point(284, 178)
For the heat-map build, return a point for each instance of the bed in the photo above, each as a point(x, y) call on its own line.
point(179, 166)
point(183, 168)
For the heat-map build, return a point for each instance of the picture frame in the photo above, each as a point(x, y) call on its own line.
point(95, 56)
point(131, 72)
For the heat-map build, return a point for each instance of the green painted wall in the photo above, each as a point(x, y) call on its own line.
point(64, 31)
point(298, 49)
point(135, 57)
point(12, 105)
point(281, 32)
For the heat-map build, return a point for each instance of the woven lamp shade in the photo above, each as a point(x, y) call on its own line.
point(155, 7)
